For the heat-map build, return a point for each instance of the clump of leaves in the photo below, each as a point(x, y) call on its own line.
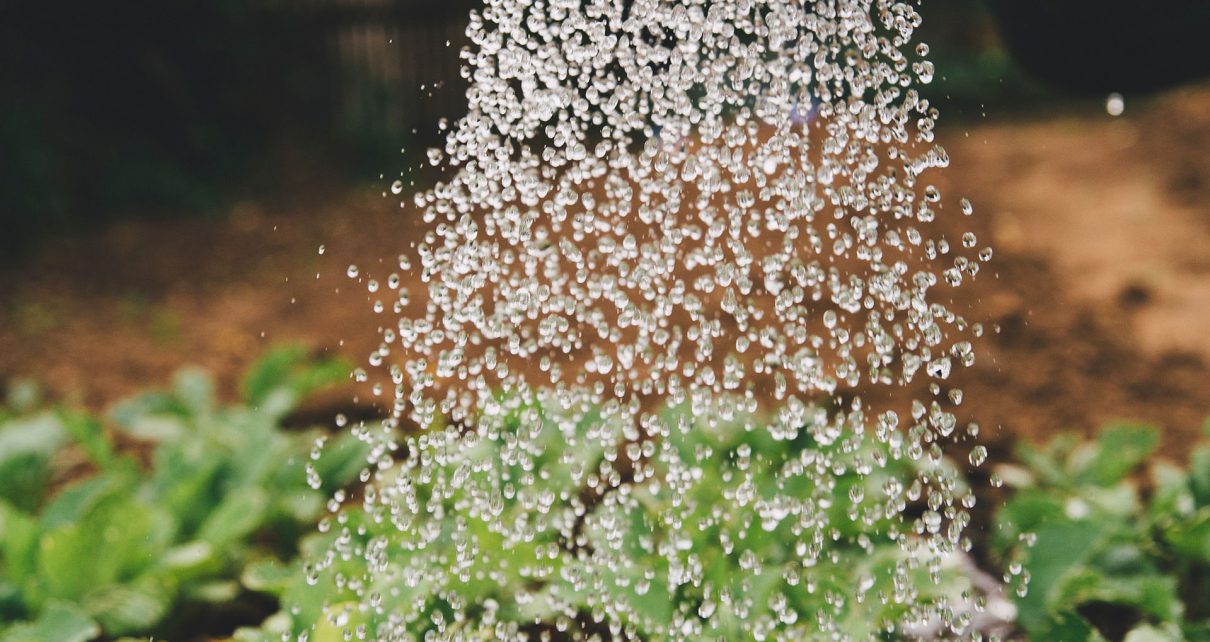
point(115, 551)
point(1103, 545)
point(370, 576)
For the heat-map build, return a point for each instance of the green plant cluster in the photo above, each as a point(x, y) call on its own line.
point(115, 527)
point(164, 504)
point(1111, 543)
point(381, 582)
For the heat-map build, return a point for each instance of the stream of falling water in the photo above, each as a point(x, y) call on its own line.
point(680, 367)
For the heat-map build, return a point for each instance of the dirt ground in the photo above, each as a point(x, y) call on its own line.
point(1100, 286)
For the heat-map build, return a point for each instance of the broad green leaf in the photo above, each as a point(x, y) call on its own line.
point(24, 480)
point(26, 446)
point(1117, 502)
point(59, 622)
point(1027, 511)
point(1191, 537)
point(282, 377)
point(302, 505)
point(128, 608)
point(238, 516)
point(1153, 594)
point(269, 631)
point(19, 534)
point(129, 411)
point(70, 505)
point(336, 620)
point(1048, 464)
point(12, 607)
point(214, 592)
point(116, 540)
point(1172, 495)
point(271, 372)
point(1149, 633)
point(186, 561)
point(1067, 627)
point(1119, 451)
point(268, 576)
point(341, 460)
point(1060, 549)
point(41, 434)
point(157, 428)
point(90, 435)
point(195, 390)
point(1199, 475)
point(187, 480)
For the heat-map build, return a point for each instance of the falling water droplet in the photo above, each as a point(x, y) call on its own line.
point(656, 299)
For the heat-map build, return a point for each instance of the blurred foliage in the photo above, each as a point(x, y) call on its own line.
point(126, 542)
point(173, 502)
point(1106, 543)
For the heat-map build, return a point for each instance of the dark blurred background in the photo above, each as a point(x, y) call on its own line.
point(170, 108)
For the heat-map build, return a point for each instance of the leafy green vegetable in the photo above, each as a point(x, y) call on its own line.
point(419, 572)
point(117, 551)
point(1080, 533)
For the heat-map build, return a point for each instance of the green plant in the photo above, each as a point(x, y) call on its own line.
point(114, 551)
point(1107, 545)
point(612, 558)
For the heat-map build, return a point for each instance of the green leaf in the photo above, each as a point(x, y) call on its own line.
point(195, 390)
point(1199, 475)
point(71, 504)
point(278, 380)
point(187, 480)
point(1047, 464)
point(1191, 537)
point(156, 428)
point(214, 592)
point(1060, 549)
point(1149, 633)
point(149, 404)
point(271, 372)
point(1024, 513)
point(24, 480)
point(188, 560)
point(340, 462)
point(238, 516)
point(19, 534)
point(41, 434)
point(59, 622)
point(269, 576)
point(1068, 627)
point(1120, 450)
point(1151, 593)
point(114, 541)
point(129, 608)
point(26, 447)
point(90, 435)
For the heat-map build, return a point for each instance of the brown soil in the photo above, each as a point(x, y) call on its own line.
point(1100, 286)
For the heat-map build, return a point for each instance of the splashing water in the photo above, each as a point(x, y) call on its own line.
point(684, 273)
